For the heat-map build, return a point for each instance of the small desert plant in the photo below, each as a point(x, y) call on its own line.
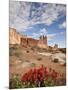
point(27, 51)
point(32, 48)
point(33, 64)
point(63, 50)
point(15, 82)
point(14, 51)
point(65, 64)
point(17, 54)
point(39, 59)
point(27, 60)
point(55, 60)
point(10, 53)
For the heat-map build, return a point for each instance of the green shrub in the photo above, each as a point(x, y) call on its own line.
point(17, 54)
point(33, 64)
point(12, 50)
point(10, 53)
point(15, 82)
point(15, 51)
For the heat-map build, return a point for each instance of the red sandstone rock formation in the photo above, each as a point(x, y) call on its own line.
point(16, 38)
point(42, 42)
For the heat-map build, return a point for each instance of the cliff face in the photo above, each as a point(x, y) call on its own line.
point(16, 38)
point(42, 42)
point(29, 41)
point(32, 42)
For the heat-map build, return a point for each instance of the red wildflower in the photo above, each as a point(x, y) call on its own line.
point(39, 74)
point(34, 75)
point(29, 75)
point(46, 71)
point(24, 77)
point(54, 74)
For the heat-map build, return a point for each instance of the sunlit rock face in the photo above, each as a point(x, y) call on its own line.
point(42, 42)
point(14, 37)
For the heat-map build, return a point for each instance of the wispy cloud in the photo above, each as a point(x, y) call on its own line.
point(26, 14)
point(41, 32)
point(48, 13)
point(44, 32)
point(63, 25)
point(51, 36)
point(19, 13)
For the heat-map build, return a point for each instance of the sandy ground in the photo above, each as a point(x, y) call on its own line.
point(60, 56)
point(27, 58)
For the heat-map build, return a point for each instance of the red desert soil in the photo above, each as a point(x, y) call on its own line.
point(23, 58)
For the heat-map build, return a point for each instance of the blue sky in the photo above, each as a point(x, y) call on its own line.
point(35, 19)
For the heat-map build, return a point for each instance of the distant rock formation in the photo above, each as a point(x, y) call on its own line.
point(28, 41)
point(56, 46)
point(42, 42)
point(16, 38)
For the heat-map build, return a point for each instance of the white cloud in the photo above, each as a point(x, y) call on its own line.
point(23, 14)
point(62, 33)
point(49, 14)
point(63, 25)
point(19, 15)
point(35, 35)
point(51, 36)
point(43, 31)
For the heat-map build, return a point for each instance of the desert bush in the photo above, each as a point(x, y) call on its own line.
point(33, 64)
point(15, 51)
point(27, 60)
point(63, 50)
point(13, 48)
point(27, 51)
point(17, 54)
point(55, 60)
point(39, 59)
point(10, 52)
point(32, 48)
point(65, 64)
point(15, 82)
